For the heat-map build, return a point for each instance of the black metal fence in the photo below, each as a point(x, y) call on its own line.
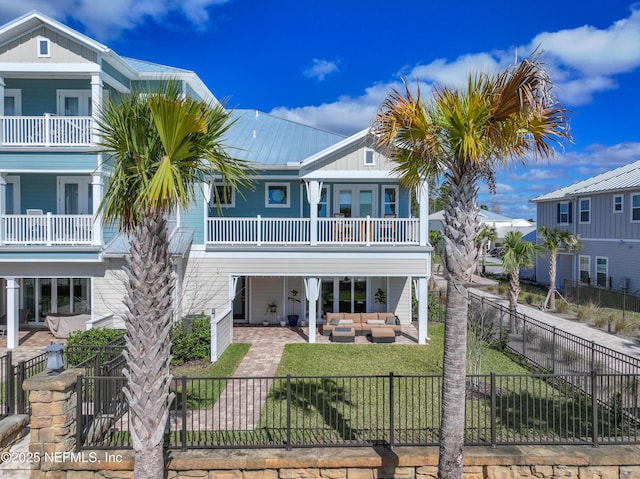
point(298, 412)
point(583, 293)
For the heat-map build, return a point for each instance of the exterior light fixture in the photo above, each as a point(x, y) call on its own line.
point(55, 362)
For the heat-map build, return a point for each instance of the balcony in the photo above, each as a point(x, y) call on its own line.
point(301, 231)
point(46, 229)
point(46, 131)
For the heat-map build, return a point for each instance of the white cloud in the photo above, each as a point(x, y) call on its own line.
point(107, 19)
point(319, 69)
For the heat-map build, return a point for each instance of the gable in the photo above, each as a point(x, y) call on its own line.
point(24, 48)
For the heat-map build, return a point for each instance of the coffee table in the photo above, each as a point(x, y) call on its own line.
point(343, 335)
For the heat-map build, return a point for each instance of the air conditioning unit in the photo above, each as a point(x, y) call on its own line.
point(624, 283)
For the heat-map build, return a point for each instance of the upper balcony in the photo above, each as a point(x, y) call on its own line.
point(46, 131)
point(261, 231)
point(38, 228)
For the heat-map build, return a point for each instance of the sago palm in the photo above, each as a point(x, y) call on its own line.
point(518, 254)
point(553, 239)
point(160, 146)
point(462, 136)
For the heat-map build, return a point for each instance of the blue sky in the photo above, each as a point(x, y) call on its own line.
point(329, 63)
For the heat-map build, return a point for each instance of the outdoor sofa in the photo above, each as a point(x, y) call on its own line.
point(362, 323)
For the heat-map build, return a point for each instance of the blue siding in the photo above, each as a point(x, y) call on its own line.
point(109, 70)
point(72, 162)
point(193, 218)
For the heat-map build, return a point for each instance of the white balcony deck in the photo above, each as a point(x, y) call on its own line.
point(47, 229)
point(298, 231)
point(47, 130)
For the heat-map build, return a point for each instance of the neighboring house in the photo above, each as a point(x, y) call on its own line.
point(325, 216)
point(501, 223)
point(604, 212)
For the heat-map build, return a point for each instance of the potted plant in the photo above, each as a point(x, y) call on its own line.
point(272, 311)
point(380, 298)
point(293, 297)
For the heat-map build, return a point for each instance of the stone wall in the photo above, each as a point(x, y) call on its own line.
point(53, 404)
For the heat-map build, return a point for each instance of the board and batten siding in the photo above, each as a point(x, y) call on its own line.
point(352, 159)
point(24, 49)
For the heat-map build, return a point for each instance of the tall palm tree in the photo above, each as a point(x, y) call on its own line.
point(462, 135)
point(160, 146)
point(517, 254)
point(553, 239)
point(486, 236)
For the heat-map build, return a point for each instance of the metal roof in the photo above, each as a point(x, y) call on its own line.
point(268, 140)
point(625, 177)
point(179, 244)
point(142, 66)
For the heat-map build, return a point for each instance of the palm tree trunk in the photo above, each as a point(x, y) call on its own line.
point(514, 292)
point(552, 282)
point(461, 259)
point(148, 345)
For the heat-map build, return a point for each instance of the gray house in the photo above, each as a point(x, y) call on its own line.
point(604, 212)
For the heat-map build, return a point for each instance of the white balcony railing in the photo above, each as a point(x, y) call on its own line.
point(47, 229)
point(284, 231)
point(47, 130)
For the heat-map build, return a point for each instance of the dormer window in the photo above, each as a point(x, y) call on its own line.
point(44, 48)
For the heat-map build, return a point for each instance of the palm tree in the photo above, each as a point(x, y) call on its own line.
point(553, 239)
point(517, 254)
point(160, 146)
point(462, 135)
point(486, 236)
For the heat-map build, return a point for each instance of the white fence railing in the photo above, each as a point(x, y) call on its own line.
point(47, 229)
point(47, 130)
point(264, 231)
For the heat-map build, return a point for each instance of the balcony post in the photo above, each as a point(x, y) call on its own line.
point(259, 231)
point(49, 228)
point(13, 313)
point(3, 206)
point(423, 314)
point(47, 129)
point(2, 85)
point(367, 230)
point(422, 194)
point(96, 104)
point(314, 188)
point(98, 191)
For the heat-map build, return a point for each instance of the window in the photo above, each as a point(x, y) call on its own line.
point(277, 195)
point(12, 195)
point(12, 102)
point(585, 269)
point(585, 210)
point(390, 198)
point(602, 271)
point(74, 103)
point(44, 48)
point(635, 207)
point(564, 213)
point(323, 203)
point(224, 196)
point(617, 203)
point(368, 158)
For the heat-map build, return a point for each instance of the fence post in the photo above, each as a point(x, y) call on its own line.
point(553, 350)
point(79, 416)
point(493, 410)
point(19, 392)
point(288, 411)
point(594, 406)
point(183, 387)
point(524, 335)
point(10, 387)
point(391, 418)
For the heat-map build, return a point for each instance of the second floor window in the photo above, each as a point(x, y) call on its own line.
point(390, 206)
point(224, 195)
point(585, 210)
point(323, 203)
point(564, 213)
point(635, 207)
point(617, 204)
point(277, 195)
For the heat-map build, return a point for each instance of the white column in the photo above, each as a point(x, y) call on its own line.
point(13, 313)
point(423, 200)
point(313, 196)
point(3, 206)
point(2, 85)
point(96, 102)
point(97, 186)
point(423, 314)
point(312, 290)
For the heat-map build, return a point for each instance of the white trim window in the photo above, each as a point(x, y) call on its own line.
point(369, 159)
point(584, 205)
point(602, 271)
point(223, 196)
point(277, 195)
point(618, 203)
point(390, 200)
point(12, 195)
point(44, 47)
point(564, 212)
point(75, 195)
point(585, 269)
point(323, 203)
point(12, 102)
point(635, 208)
point(74, 103)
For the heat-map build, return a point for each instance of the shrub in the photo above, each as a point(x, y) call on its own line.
point(624, 325)
point(587, 311)
point(528, 298)
point(503, 288)
point(81, 345)
point(191, 340)
point(562, 307)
